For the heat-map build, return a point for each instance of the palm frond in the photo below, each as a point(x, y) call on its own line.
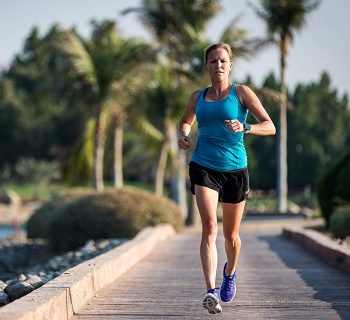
point(122, 92)
point(80, 161)
point(260, 12)
point(149, 130)
point(71, 46)
point(131, 10)
point(261, 44)
point(273, 97)
point(237, 37)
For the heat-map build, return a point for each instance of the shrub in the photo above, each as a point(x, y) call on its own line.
point(110, 214)
point(32, 170)
point(333, 187)
point(340, 223)
point(38, 224)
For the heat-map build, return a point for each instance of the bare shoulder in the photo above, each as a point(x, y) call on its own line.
point(243, 91)
point(194, 95)
point(247, 96)
point(193, 99)
point(189, 114)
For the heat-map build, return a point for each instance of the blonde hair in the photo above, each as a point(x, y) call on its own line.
point(222, 45)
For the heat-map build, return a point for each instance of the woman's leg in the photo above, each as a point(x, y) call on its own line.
point(232, 216)
point(207, 200)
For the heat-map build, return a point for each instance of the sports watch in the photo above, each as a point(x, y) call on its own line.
point(246, 127)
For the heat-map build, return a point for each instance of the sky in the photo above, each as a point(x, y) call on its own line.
point(322, 45)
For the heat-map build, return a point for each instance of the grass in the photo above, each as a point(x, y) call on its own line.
point(30, 191)
point(263, 203)
point(41, 192)
point(307, 201)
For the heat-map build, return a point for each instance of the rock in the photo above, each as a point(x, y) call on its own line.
point(4, 299)
point(17, 289)
point(78, 255)
point(293, 208)
point(2, 285)
point(53, 265)
point(89, 247)
point(14, 198)
point(12, 282)
point(21, 277)
point(307, 211)
point(48, 277)
point(35, 281)
point(16, 250)
point(103, 244)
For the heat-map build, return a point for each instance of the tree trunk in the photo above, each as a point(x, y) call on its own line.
point(161, 166)
point(178, 177)
point(118, 152)
point(282, 167)
point(193, 218)
point(99, 152)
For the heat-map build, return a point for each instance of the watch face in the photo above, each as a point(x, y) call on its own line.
point(246, 127)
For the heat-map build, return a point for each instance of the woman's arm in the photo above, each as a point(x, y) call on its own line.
point(187, 120)
point(252, 103)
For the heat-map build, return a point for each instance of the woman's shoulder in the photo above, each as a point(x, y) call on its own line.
point(243, 91)
point(195, 94)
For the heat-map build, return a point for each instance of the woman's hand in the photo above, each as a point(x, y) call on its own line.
point(234, 125)
point(184, 142)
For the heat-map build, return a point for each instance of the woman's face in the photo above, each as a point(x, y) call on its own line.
point(218, 64)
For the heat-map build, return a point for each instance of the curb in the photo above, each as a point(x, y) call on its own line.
point(60, 298)
point(321, 245)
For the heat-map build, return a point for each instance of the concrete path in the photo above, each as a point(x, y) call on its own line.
point(277, 279)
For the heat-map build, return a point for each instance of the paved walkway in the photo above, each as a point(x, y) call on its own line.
point(277, 279)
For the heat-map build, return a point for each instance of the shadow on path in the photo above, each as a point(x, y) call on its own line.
point(330, 284)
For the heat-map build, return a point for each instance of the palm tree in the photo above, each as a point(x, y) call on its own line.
point(105, 66)
point(163, 102)
point(178, 26)
point(283, 18)
point(169, 22)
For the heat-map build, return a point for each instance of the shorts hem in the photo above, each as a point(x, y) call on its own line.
point(234, 201)
point(202, 185)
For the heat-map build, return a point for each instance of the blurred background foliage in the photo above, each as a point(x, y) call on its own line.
point(65, 96)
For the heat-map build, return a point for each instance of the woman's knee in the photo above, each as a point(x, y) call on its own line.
point(232, 237)
point(209, 228)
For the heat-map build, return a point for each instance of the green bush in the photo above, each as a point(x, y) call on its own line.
point(340, 223)
point(333, 187)
point(110, 214)
point(38, 225)
point(32, 170)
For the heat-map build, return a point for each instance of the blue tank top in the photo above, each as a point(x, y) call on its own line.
point(217, 147)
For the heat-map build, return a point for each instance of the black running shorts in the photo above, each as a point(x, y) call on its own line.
point(232, 186)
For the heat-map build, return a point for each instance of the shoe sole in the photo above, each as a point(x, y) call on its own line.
point(212, 304)
point(229, 300)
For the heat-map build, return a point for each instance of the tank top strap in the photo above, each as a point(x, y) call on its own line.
point(201, 95)
point(203, 92)
point(233, 89)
